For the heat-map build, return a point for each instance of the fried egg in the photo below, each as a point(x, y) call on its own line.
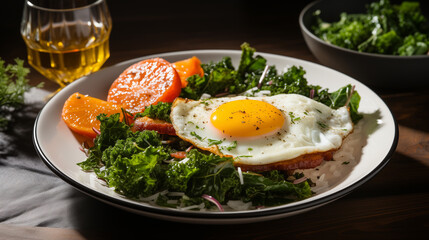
point(261, 130)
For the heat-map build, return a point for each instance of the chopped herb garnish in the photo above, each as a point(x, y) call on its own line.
point(322, 125)
point(206, 101)
point(214, 142)
point(197, 136)
point(293, 118)
point(345, 162)
point(230, 147)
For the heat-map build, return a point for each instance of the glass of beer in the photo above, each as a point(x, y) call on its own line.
point(66, 39)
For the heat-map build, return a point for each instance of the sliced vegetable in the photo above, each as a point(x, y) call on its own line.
point(214, 201)
point(146, 123)
point(188, 67)
point(145, 83)
point(80, 113)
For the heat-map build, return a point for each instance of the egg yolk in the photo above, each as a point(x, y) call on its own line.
point(247, 118)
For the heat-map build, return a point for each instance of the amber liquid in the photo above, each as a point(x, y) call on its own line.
point(66, 61)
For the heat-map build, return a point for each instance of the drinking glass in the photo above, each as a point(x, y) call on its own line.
point(66, 39)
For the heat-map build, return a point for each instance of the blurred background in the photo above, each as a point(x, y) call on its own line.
point(138, 29)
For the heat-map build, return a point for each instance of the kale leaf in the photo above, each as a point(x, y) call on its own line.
point(204, 174)
point(217, 78)
point(216, 176)
point(138, 175)
point(268, 191)
point(160, 111)
point(343, 96)
point(416, 44)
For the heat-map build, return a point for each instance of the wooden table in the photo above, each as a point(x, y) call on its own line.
point(392, 205)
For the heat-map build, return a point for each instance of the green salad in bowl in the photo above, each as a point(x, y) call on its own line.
point(385, 28)
point(383, 44)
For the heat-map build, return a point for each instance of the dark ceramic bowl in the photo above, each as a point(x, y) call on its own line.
point(374, 70)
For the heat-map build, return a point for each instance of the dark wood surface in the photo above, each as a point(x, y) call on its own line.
point(392, 205)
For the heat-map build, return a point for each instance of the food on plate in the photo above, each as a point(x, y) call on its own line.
point(145, 83)
point(260, 131)
point(141, 166)
point(234, 137)
point(80, 113)
point(385, 29)
point(155, 117)
point(188, 67)
point(146, 123)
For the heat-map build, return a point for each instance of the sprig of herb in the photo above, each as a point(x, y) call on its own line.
point(13, 85)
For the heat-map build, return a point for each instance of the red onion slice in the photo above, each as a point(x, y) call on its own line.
point(222, 94)
point(96, 130)
point(213, 200)
point(299, 180)
point(312, 93)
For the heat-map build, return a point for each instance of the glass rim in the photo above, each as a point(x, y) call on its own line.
point(31, 4)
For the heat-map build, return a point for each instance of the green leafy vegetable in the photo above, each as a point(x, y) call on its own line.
point(248, 76)
point(384, 29)
point(416, 44)
point(113, 133)
point(13, 85)
point(217, 78)
point(137, 165)
point(340, 98)
point(160, 111)
point(272, 189)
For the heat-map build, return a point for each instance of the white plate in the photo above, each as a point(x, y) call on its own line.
point(372, 143)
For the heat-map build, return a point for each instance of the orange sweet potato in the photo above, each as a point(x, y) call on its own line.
point(188, 67)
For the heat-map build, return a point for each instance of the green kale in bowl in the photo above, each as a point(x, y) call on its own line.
point(385, 28)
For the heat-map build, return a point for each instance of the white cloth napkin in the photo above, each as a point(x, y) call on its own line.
point(32, 195)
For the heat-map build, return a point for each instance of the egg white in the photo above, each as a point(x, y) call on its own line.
point(309, 127)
